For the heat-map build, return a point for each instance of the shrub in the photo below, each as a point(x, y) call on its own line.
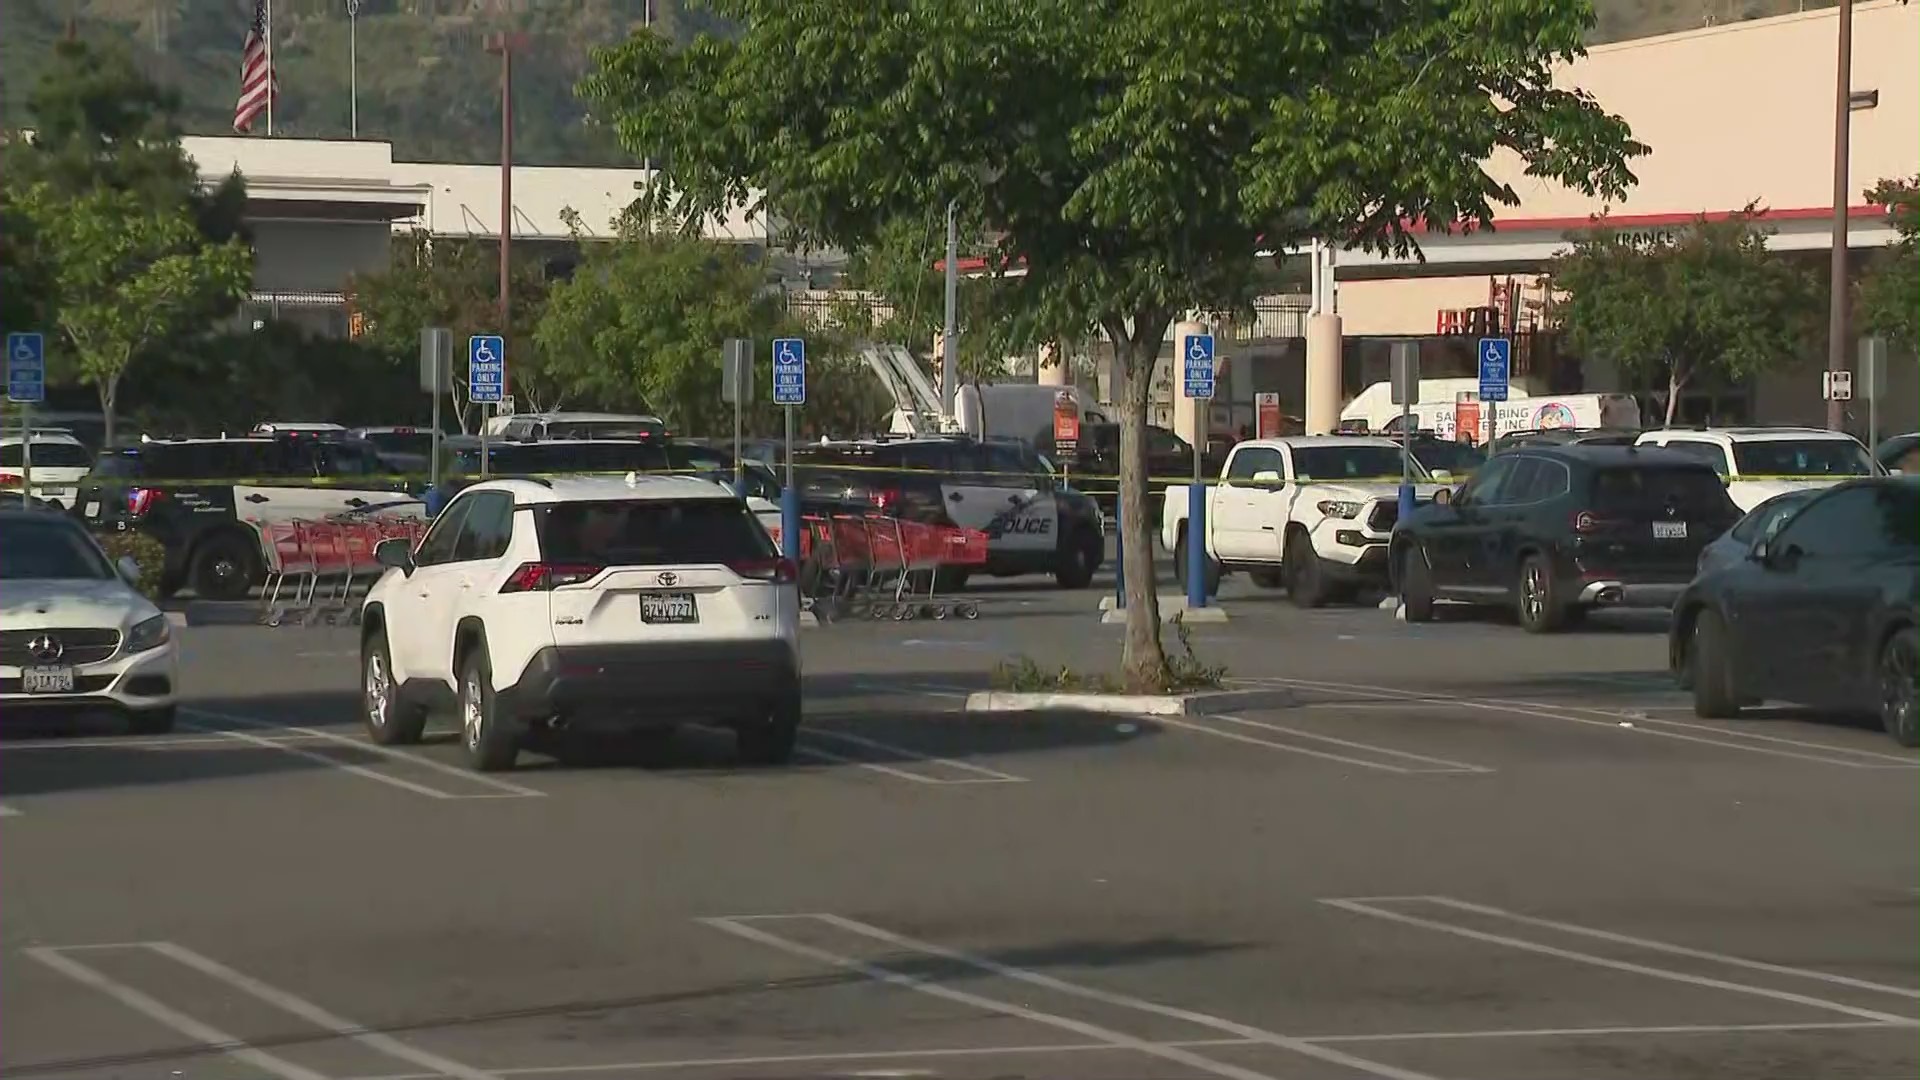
point(144, 550)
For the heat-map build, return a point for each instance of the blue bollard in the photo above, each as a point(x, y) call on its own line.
point(1196, 546)
point(1119, 558)
point(1406, 501)
point(790, 523)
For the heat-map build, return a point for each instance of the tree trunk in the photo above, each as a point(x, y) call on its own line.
point(1675, 380)
point(1143, 662)
point(109, 389)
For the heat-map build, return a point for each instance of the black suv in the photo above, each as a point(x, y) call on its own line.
point(1034, 523)
point(198, 497)
point(1560, 530)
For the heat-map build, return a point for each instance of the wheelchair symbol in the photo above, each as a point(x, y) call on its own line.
point(483, 352)
point(1494, 356)
point(786, 355)
point(24, 352)
point(1199, 349)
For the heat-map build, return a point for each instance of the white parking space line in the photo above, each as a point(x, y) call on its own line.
point(1115, 1039)
point(1367, 906)
point(1880, 759)
point(1826, 755)
point(1676, 950)
point(1440, 764)
point(989, 775)
point(319, 1017)
point(816, 754)
point(332, 763)
point(501, 788)
point(811, 752)
point(1270, 744)
point(1043, 1049)
point(1061, 986)
point(215, 1040)
point(156, 743)
point(1596, 1032)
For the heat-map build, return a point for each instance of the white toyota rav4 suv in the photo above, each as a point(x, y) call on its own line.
point(594, 604)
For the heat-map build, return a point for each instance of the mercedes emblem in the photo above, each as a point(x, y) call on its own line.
point(46, 648)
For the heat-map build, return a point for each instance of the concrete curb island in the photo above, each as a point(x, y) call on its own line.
point(1204, 703)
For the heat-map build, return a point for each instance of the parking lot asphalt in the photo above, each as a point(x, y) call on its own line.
point(1460, 852)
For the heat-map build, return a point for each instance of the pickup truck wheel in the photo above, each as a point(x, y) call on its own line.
point(1416, 586)
point(1306, 585)
point(1210, 575)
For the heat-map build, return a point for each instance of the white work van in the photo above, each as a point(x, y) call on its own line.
point(1373, 411)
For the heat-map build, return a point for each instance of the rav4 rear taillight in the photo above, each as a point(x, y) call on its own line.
point(544, 577)
point(778, 571)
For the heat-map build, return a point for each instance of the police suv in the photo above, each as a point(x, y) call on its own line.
point(1034, 523)
point(200, 497)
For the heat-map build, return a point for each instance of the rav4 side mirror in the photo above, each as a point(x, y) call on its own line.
point(394, 553)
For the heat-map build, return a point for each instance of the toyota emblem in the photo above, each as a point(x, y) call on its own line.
point(669, 578)
point(46, 648)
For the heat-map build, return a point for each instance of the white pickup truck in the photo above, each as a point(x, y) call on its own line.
point(1313, 513)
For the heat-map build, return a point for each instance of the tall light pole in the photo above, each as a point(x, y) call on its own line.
point(950, 337)
point(1840, 298)
point(353, 67)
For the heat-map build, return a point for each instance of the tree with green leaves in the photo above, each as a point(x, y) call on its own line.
point(456, 284)
point(1709, 301)
point(641, 323)
point(99, 121)
point(1133, 154)
point(126, 278)
point(1888, 298)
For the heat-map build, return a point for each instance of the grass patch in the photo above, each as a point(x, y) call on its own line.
point(1185, 673)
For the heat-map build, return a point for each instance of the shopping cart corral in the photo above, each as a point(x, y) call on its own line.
point(883, 567)
point(317, 570)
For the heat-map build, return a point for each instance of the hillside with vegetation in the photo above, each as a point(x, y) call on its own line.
point(425, 81)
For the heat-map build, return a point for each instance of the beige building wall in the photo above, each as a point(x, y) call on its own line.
point(1745, 112)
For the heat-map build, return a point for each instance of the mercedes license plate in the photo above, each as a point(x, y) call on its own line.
point(671, 607)
point(1669, 530)
point(47, 680)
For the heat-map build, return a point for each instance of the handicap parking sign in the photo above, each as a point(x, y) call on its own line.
point(1199, 366)
point(1496, 365)
point(486, 368)
point(789, 371)
point(26, 368)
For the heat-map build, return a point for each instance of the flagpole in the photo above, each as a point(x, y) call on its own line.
point(272, 75)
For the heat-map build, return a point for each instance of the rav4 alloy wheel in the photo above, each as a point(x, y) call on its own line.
point(390, 722)
point(491, 744)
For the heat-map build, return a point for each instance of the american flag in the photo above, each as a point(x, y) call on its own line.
point(257, 77)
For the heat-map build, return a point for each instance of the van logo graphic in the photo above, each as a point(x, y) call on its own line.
point(668, 578)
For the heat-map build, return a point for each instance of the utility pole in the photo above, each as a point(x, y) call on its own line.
point(1840, 296)
point(950, 338)
point(505, 43)
point(353, 68)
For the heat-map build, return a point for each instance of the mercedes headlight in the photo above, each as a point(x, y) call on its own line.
point(1340, 508)
point(148, 634)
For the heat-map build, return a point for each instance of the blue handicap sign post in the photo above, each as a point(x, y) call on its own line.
point(790, 389)
point(1496, 364)
point(1496, 361)
point(26, 368)
point(486, 368)
point(1198, 360)
point(789, 371)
